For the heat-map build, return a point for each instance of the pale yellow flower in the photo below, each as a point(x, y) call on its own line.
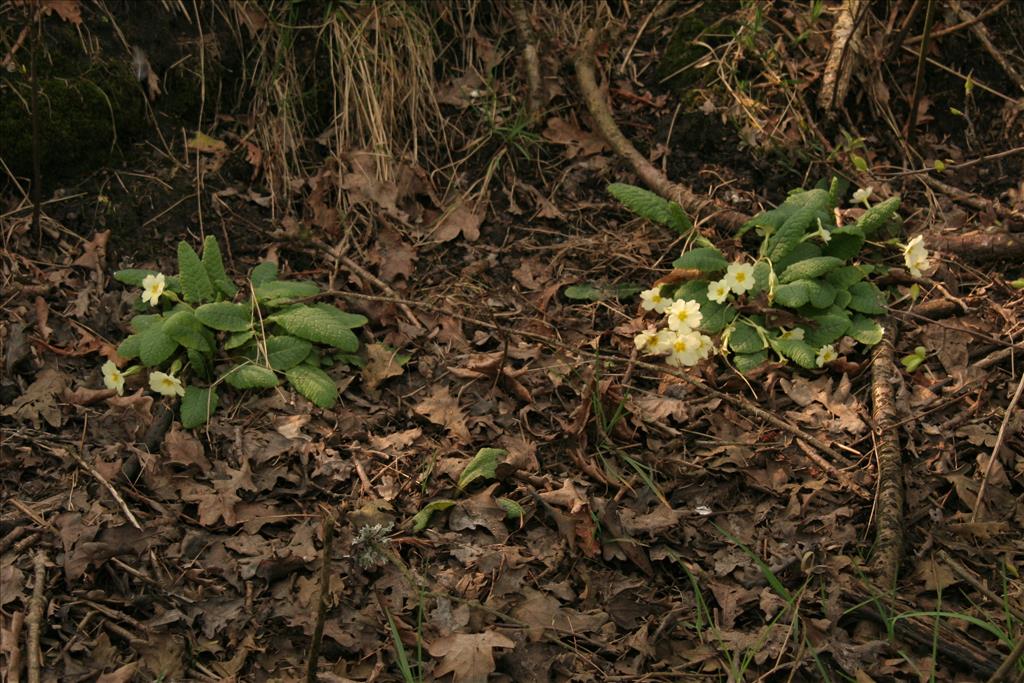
point(113, 378)
point(662, 342)
point(861, 196)
point(915, 255)
point(739, 277)
point(684, 316)
point(686, 349)
point(652, 300)
point(152, 287)
point(797, 334)
point(719, 291)
point(165, 384)
point(644, 339)
point(826, 354)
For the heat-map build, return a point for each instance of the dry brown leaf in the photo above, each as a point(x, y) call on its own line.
point(39, 400)
point(290, 426)
point(443, 409)
point(68, 10)
point(459, 220)
point(469, 657)
point(576, 141)
point(381, 363)
point(542, 611)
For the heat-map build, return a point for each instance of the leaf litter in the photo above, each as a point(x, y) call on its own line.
point(682, 539)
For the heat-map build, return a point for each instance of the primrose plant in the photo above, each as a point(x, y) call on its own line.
point(192, 336)
point(804, 289)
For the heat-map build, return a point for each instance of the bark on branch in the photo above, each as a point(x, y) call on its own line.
point(889, 509)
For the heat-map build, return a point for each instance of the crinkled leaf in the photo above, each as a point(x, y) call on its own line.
point(800, 352)
point(236, 339)
point(141, 323)
point(277, 292)
point(762, 277)
point(184, 328)
point(745, 339)
point(865, 330)
point(745, 362)
point(263, 273)
point(214, 265)
point(323, 324)
point(195, 282)
point(131, 347)
point(422, 518)
point(825, 329)
point(513, 510)
point(845, 243)
point(842, 298)
point(225, 316)
point(801, 252)
point(155, 346)
point(705, 259)
point(809, 269)
point(197, 405)
point(865, 297)
point(483, 465)
point(793, 295)
point(644, 203)
point(314, 384)
point(843, 277)
point(878, 215)
point(789, 234)
point(284, 352)
point(600, 291)
point(250, 376)
point(200, 363)
point(820, 293)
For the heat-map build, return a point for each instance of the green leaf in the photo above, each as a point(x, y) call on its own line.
point(513, 510)
point(745, 362)
point(793, 295)
point(859, 162)
point(647, 205)
point(589, 291)
point(236, 339)
point(865, 297)
point(913, 361)
point(745, 339)
point(195, 282)
point(865, 330)
point(131, 347)
point(284, 352)
point(800, 352)
point(809, 269)
point(141, 323)
point(197, 405)
point(821, 293)
point(715, 316)
point(678, 220)
point(705, 259)
point(483, 465)
point(825, 329)
point(155, 346)
point(845, 243)
point(183, 328)
point(843, 297)
point(843, 277)
point(263, 273)
point(277, 292)
point(250, 376)
point(133, 276)
point(200, 363)
point(422, 518)
point(225, 316)
point(789, 234)
point(323, 324)
point(801, 252)
point(762, 277)
point(214, 265)
point(314, 384)
point(877, 216)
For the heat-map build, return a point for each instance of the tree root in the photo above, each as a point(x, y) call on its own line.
point(720, 215)
point(889, 508)
point(842, 56)
point(982, 246)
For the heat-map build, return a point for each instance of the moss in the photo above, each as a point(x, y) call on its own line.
point(85, 107)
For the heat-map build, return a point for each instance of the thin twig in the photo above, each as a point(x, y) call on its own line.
point(981, 33)
point(842, 477)
point(1000, 438)
point(929, 15)
point(327, 525)
point(962, 25)
point(35, 617)
point(965, 575)
point(102, 480)
point(1002, 673)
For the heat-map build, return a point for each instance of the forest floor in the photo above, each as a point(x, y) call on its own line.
point(638, 527)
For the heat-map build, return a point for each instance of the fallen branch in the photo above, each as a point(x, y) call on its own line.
point(965, 575)
point(102, 480)
point(982, 246)
point(1008, 665)
point(889, 509)
point(976, 202)
point(841, 60)
point(981, 33)
point(35, 617)
point(721, 216)
point(327, 525)
point(531, 61)
point(1000, 439)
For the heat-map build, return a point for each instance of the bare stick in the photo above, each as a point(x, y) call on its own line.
point(981, 33)
point(889, 519)
point(1003, 672)
point(531, 60)
point(965, 575)
point(1000, 438)
point(929, 14)
point(35, 617)
point(842, 477)
point(648, 173)
point(835, 80)
point(102, 480)
point(14, 658)
point(383, 286)
point(327, 522)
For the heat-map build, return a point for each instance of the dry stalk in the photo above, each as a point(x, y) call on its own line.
point(35, 617)
point(1000, 439)
point(841, 60)
point(929, 15)
point(649, 174)
point(889, 517)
